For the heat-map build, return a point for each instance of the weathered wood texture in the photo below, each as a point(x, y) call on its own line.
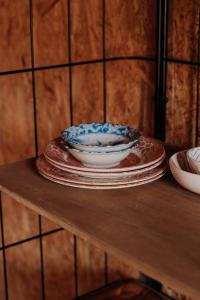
point(87, 93)
point(50, 24)
point(183, 29)
point(59, 266)
point(15, 35)
point(23, 271)
point(130, 27)
point(143, 225)
point(2, 293)
point(86, 30)
point(130, 94)
point(181, 105)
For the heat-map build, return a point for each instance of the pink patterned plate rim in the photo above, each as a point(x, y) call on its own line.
point(105, 174)
point(103, 187)
point(146, 153)
point(47, 169)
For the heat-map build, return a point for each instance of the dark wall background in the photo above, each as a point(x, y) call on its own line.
point(64, 62)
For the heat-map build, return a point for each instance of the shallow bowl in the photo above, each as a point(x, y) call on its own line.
point(193, 156)
point(188, 180)
point(96, 137)
point(99, 160)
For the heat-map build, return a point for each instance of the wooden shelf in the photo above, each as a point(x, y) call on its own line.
point(155, 227)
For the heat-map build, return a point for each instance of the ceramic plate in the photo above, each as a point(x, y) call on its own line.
point(106, 175)
point(47, 169)
point(103, 187)
point(146, 153)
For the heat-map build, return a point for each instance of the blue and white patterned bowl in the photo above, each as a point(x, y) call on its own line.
point(97, 137)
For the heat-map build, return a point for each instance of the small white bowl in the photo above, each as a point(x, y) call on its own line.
point(97, 137)
point(189, 181)
point(99, 160)
point(193, 156)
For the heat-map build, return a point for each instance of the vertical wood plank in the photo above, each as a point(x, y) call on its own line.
point(59, 266)
point(19, 222)
point(14, 32)
point(53, 111)
point(91, 270)
point(23, 270)
point(87, 91)
point(52, 101)
point(17, 125)
point(130, 94)
point(119, 270)
point(17, 142)
point(130, 27)
point(50, 32)
point(183, 29)
point(2, 293)
point(86, 29)
point(181, 106)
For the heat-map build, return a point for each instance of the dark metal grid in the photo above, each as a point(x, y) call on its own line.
point(161, 69)
point(100, 60)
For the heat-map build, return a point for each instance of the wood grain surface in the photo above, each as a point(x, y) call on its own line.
point(87, 93)
point(130, 91)
point(19, 222)
point(53, 111)
point(59, 266)
point(15, 35)
point(2, 294)
point(17, 142)
point(52, 100)
point(91, 272)
point(86, 29)
point(130, 28)
point(23, 271)
point(50, 24)
point(183, 29)
point(17, 125)
point(181, 105)
point(118, 269)
point(143, 225)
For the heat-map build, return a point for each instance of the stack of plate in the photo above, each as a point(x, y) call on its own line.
point(130, 161)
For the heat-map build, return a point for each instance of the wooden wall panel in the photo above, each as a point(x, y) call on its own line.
point(53, 111)
point(119, 270)
point(183, 29)
point(52, 101)
point(130, 27)
point(23, 271)
point(59, 266)
point(181, 106)
point(14, 32)
point(50, 32)
point(17, 142)
point(2, 295)
point(86, 29)
point(19, 222)
point(91, 271)
point(87, 92)
point(17, 125)
point(130, 94)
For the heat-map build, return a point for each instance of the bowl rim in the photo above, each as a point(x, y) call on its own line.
point(133, 138)
point(171, 161)
point(99, 153)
